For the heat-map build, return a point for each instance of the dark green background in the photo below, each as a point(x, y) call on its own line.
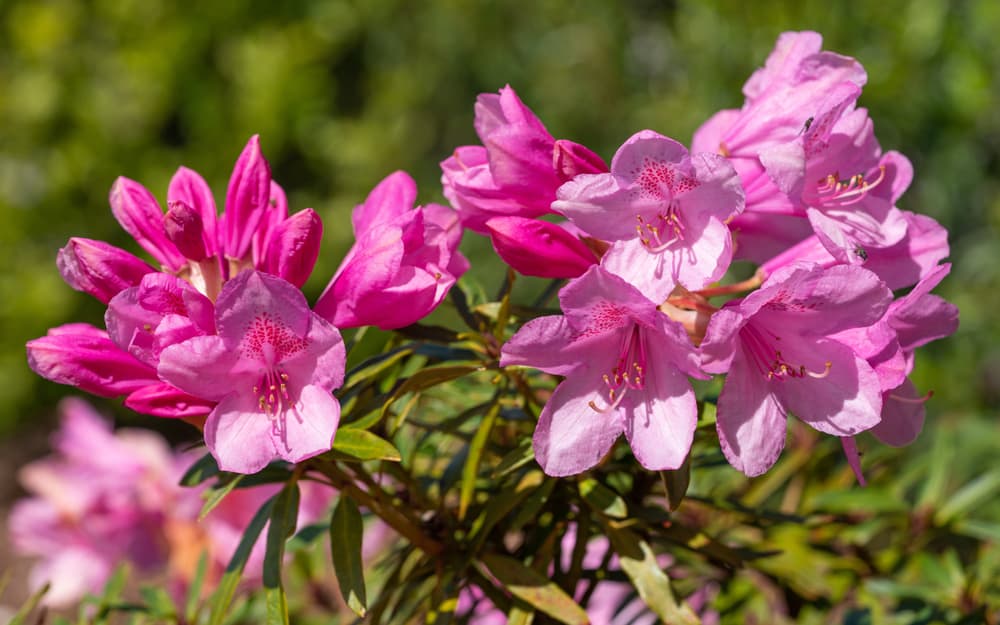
point(342, 93)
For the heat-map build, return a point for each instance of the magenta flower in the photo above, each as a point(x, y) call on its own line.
point(403, 264)
point(540, 248)
point(666, 208)
point(519, 169)
point(271, 368)
point(625, 364)
point(779, 348)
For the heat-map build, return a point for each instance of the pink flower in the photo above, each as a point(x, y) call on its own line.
point(403, 264)
point(271, 368)
point(519, 169)
point(666, 208)
point(804, 152)
point(779, 347)
point(625, 364)
point(539, 248)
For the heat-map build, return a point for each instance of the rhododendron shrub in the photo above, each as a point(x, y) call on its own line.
point(582, 457)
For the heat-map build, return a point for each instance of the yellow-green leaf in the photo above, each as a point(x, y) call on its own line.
point(535, 589)
point(346, 531)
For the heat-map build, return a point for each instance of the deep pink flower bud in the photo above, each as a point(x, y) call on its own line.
point(571, 159)
point(83, 356)
point(139, 214)
point(189, 187)
point(247, 199)
point(98, 268)
point(184, 227)
point(276, 212)
point(294, 247)
point(163, 400)
point(539, 248)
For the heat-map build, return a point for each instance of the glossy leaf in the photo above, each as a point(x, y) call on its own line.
point(363, 445)
point(346, 533)
point(535, 589)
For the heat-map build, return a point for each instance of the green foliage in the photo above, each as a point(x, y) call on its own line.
point(434, 435)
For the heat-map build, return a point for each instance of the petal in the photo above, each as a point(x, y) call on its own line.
point(164, 400)
point(202, 366)
point(598, 204)
point(844, 401)
point(709, 137)
point(140, 215)
point(651, 274)
point(546, 343)
point(661, 418)
point(294, 247)
point(571, 436)
point(704, 258)
point(390, 198)
point(100, 269)
point(750, 423)
point(914, 257)
point(309, 426)
point(321, 363)
point(239, 434)
point(719, 192)
point(252, 293)
point(247, 199)
point(853, 457)
point(902, 416)
point(721, 340)
point(571, 159)
point(539, 248)
point(189, 187)
point(599, 301)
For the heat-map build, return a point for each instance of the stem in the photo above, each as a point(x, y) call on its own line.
point(738, 287)
point(387, 513)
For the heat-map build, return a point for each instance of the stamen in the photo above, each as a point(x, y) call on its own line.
point(831, 191)
point(912, 400)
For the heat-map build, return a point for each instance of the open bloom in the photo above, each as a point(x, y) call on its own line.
point(626, 366)
point(665, 208)
point(782, 356)
point(808, 159)
point(271, 368)
point(403, 264)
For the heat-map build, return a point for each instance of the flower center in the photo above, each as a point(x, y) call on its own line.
point(658, 235)
point(832, 191)
point(271, 390)
point(768, 359)
point(629, 371)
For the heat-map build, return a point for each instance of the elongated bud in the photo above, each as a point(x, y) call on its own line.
point(294, 247)
point(184, 227)
point(571, 159)
point(162, 400)
point(189, 187)
point(276, 212)
point(140, 215)
point(539, 248)
point(247, 198)
point(98, 268)
point(83, 356)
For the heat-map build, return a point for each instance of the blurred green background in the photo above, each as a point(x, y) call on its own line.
point(343, 93)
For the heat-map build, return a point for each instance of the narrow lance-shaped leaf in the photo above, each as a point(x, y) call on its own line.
point(363, 445)
point(676, 483)
point(284, 515)
point(427, 378)
point(535, 589)
point(204, 468)
point(231, 578)
point(346, 531)
point(215, 496)
point(639, 563)
point(471, 469)
point(602, 499)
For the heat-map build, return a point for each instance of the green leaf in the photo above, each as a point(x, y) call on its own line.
point(428, 378)
point(676, 483)
point(475, 453)
point(376, 365)
point(363, 445)
point(284, 514)
point(194, 590)
point(346, 530)
point(200, 471)
point(602, 499)
point(158, 602)
point(535, 589)
point(969, 496)
point(516, 458)
point(29, 605)
point(231, 578)
point(639, 563)
point(214, 496)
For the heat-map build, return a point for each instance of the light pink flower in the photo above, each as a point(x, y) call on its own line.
point(403, 264)
point(626, 366)
point(779, 348)
point(271, 367)
point(665, 208)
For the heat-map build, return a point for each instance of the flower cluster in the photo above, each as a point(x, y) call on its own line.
point(221, 334)
point(106, 497)
point(795, 181)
